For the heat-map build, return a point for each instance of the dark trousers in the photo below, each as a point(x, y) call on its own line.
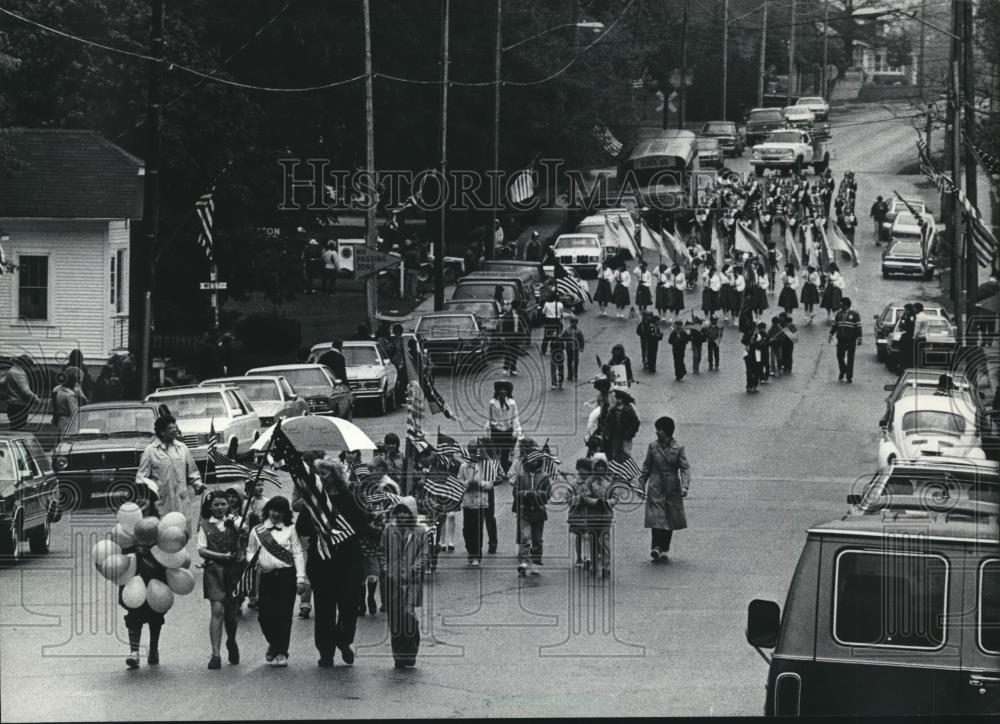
point(510, 357)
point(556, 366)
point(472, 531)
point(845, 357)
point(404, 628)
point(335, 603)
point(713, 354)
point(503, 444)
point(680, 369)
point(330, 281)
point(661, 539)
point(787, 355)
point(552, 329)
point(763, 367)
point(652, 350)
point(18, 415)
point(753, 371)
point(276, 601)
point(572, 363)
point(695, 356)
point(530, 540)
point(491, 520)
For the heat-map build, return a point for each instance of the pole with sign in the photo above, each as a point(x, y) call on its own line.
point(368, 262)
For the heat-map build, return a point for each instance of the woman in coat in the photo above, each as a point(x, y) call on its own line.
point(666, 476)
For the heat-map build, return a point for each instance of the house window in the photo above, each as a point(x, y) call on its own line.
point(33, 287)
point(117, 286)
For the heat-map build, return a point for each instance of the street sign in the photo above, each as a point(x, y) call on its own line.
point(368, 260)
point(212, 286)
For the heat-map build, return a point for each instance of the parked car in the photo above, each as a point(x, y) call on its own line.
point(892, 610)
point(200, 410)
point(923, 423)
point(29, 496)
point(709, 152)
point(885, 323)
point(453, 339)
point(581, 252)
point(819, 107)
point(272, 397)
point(325, 394)
point(930, 380)
point(728, 135)
point(101, 448)
point(371, 373)
point(936, 352)
point(905, 253)
point(897, 207)
point(939, 482)
point(760, 122)
point(487, 311)
point(519, 285)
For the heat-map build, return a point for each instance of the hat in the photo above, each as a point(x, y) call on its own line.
point(313, 242)
point(602, 384)
point(624, 396)
point(504, 385)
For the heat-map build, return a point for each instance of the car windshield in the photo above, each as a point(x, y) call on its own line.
point(483, 309)
point(306, 377)
point(114, 420)
point(784, 137)
point(575, 242)
point(360, 356)
point(900, 207)
point(707, 144)
point(907, 248)
point(595, 229)
point(719, 128)
point(765, 116)
point(449, 326)
point(938, 326)
point(481, 291)
point(809, 101)
point(936, 421)
point(185, 407)
point(906, 219)
point(6, 464)
point(257, 390)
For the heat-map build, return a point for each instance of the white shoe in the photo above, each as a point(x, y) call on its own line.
point(533, 570)
point(281, 660)
point(522, 568)
point(474, 563)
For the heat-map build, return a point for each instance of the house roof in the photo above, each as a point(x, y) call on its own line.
point(62, 173)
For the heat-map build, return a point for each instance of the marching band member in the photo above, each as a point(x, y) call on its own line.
point(621, 298)
point(788, 299)
point(643, 293)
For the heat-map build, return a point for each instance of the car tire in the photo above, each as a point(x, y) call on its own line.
point(885, 274)
point(891, 460)
point(798, 165)
point(10, 543)
point(880, 354)
point(39, 538)
point(383, 404)
point(928, 275)
point(234, 449)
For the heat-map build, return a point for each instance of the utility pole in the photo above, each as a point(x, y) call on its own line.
point(954, 131)
point(490, 238)
point(725, 54)
point(923, 48)
point(439, 243)
point(371, 235)
point(146, 264)
point(969, 98)
point(791, 58)
point(826, 46)
point(763, 56)
point(682, 116)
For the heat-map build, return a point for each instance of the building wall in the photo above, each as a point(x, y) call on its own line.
point(79, 308)
point(117, 329)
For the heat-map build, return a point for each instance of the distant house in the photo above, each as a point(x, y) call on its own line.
point(67, 202)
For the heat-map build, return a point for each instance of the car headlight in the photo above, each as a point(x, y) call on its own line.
point(60, 462)
point(787, 152)
point(755, 154)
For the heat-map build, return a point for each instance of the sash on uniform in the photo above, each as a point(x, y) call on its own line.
point(272, 546)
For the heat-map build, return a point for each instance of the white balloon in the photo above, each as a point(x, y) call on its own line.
point(181, 581)
point(174, 520)
point(128, 575)
point(180, 559)
point(134, 592)
point(128, 515)
point(159, 596)
point(102, 549)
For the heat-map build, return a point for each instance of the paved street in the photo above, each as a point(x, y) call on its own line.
point(654, 640)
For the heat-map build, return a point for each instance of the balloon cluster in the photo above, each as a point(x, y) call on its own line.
point(165, 539)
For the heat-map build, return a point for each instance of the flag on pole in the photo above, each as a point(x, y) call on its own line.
point(548, 460)
point(619, 235)
point(205, 209)
point(611, 145)
point(521, 186)
point(649, 239)
point(416, 410)
point(748, 241)
point(680, 252)
point(570, 285)
point(445, 488)
point(624, 468)
point(792, 248)
point(229, 472)
point(928, 230)
point(491, 469)
point(843, 244)
point(989, 163)
point(418, 369)
point(716, 244)
point(244, 584)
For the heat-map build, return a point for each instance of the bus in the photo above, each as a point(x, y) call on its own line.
point(660, 169)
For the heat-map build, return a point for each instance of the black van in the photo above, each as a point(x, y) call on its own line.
point(894, 608)
point(516, 284)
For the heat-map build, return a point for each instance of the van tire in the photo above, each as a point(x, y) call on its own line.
point(39, 538)
point(798, 165)
point(823, 165)
point(234, 448)
point(10, 542)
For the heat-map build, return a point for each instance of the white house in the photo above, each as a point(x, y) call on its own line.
point(67, 202)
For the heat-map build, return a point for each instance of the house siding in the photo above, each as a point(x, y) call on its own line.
point(79, 286)
point(116, 333)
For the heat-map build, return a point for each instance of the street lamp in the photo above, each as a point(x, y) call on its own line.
point(593, 26)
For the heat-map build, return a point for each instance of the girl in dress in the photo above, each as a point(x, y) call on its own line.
point(712, 283)
point(736, 298)
point(577, 519)
point(664, 283)
point(834, 291)
point(677, 293)
point(760, 292)
point(810, 292)
point(597, 499)
point(605, 276)
point(788, 299)
point(644, 292)
point(621, 297)
point(726, 291)
point(218, 545)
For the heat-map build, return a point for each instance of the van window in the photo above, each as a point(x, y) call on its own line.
point(989, 606)
point(890, 600)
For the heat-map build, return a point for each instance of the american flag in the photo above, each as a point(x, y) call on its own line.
point(445, 488)
point(205, 208)
point(792, 248)
point(608, 142)
point(842, 243)
point(491, 469)
point(332, 528)
point(244, 585)
point(522, 186)
point(419, 368)
point(624, 467)
point(570, 285)
point(416, 410)
point(450, 447)
point(359, 471)
point(748, 241)
point(228, 471)
point(549, 461)
point(989, 162)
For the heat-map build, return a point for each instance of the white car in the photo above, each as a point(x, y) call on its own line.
point(816, 104)
point(924, 424)
point(222, 408)
point(790, 149)
point(325, 394)
point(272, 397)
point(581, 252)
point(798, 116)
point(371, 375)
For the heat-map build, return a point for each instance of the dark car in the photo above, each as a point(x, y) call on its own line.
point(885, 323)
point(325, 394)
point(728, 135)
point(29, 496)
point(487, 310)
point(100, 450)
point(453, 339)
point(905, 255)
point(710, 153)
point(760, 122)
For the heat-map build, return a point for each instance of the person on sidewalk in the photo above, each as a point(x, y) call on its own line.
point(847, 329)
point(330, 268)
point(666, 477)
point(406, 545)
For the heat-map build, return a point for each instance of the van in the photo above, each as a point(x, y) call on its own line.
point(895, 608)
point(517, 285)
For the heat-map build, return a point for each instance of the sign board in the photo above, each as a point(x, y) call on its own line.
point(213, 286)
point(368, 261)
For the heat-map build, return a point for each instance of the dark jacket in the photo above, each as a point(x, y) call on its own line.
point(531, 494)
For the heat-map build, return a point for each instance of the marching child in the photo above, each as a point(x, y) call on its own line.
point(713, 335)
point(406, 545)
point(696, 336)
point(218, 545)
point(282, 575)
point(148, 568)
point(573, 346)
point(598, 500)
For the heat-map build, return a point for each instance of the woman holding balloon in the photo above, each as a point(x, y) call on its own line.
point(218, 544)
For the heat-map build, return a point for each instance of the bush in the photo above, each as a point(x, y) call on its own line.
point(269, 332)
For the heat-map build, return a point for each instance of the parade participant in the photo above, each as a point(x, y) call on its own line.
point(666, 476)
point(713, 335)
point(878, 214)
point(605, 279)
point(66, 399)
point(789, 336)
point(557, 360)
point(847, 329)
point(643, 292)
point(678, 340)
point(810, 292)
point(697, 336)
point(552, 311)
point(282, 574)
point(664, 287)
point(754, 346)
point(772, 265)
point(503, 424)
point(597, 418)
point(712, 283)
point(147, 568)
point(218, 545)
point(759, 291)
point(576, 516)
point(739, 289)
point(620, 296)
point(531, 494)
point(619, 369)
point(621, 425)
point(511, 333)
point(573, 344)
point(596, 499)
point(168, 463)
point(677, 293)
point(255, 516)
point(650, 335)
point(774, 348)
point(532, 250)
point(475, 503)
point(406, 546)
point(788, 299)
point(726, 291)
point(834, 290)
point(334, 359)
point(370, 494)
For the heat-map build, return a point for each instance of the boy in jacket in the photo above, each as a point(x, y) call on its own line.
point(406, 545)
point(713, 335)
point(696, 336)
point(531, 494)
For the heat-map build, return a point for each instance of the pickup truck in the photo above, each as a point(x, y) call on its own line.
point(791, 149)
